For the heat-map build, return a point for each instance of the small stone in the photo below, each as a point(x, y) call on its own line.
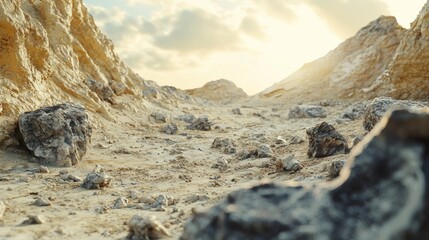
point(170, 129)
point(147, 200)
point(64, 171)
point(335, 168)
point(143, 227)
point(160, 202)
point(34, 219)
point(43, 169)
point(324, 140)
point(158, 117)
point(296, 140)
point(188, 118)
point(120, 202)
point(42, 202)
point(280, 140)
point(236, 111)
point(227, 145)
point(264, 151)
point(290, 164)
point(97, 179)
point(73, 178)
point(196, 197)
point(134, 194)
point(307, 111)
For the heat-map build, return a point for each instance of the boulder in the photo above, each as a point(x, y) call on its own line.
point(384, 196)
point(307, 111)
point(104, 92)
point(379, 106)
point(201, 123)
point(59, 135)
point(324, 141)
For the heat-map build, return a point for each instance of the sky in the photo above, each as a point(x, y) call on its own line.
point(254, 43)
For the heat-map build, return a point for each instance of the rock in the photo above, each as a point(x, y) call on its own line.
point(384, 196)
point(335, 168)
point(307, 111)
point(134, 194)
point(379, 106)
point(354, 112)
point(356, 140)
point(160, 204)
point(120, 202)
point(236, 111)
point(42, 202)
point(70, 177)
point(34, 219)
point(145, 228)
point(59, 135)
point(43, 169)
point(188, 118)
point(2, 209)
point(158, 117)
point(324, 141)
point(197, 197)
point(296, 140)
point(280, 140)
point(264, 151)
point(201, 123)
point(104, 92)
point(170, 129)
point(225, 144)
point(97, 179)
point(221, 164)
point(290, 164)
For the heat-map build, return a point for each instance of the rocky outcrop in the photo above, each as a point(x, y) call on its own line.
point(52, 52)
point(220, 91)
point(407, 76)
point(324, 141)
point(379, 106)
point(59, 135)
point(348, 69)
point(382, 193)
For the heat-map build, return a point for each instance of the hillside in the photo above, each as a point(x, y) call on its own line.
point(219, 90)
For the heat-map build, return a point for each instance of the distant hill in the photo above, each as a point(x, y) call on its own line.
point(220, 91)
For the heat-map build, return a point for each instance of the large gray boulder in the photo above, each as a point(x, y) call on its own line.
point(382, 193)
point(379, 106)
point(324, 141)
point(59, 135)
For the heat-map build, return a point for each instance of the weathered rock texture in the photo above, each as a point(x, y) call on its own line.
point(324, 140)
point(307, 111)
point(348, 69)
point(52, 52)
point(59, 135)
point(379, 106)
point(220, 90)
point(145, 228)
point(381, 194)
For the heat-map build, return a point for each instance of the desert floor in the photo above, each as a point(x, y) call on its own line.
point(145, 162)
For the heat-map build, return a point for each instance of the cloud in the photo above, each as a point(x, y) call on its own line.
point(343, 17)
point(198, 31)
point(252, 27)
point(280, 9)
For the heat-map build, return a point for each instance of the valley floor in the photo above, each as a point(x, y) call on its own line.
point(145, 162)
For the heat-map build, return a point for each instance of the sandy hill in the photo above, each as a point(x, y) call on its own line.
point(218, 90)
point(381, 59)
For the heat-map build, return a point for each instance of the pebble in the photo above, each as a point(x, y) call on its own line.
point(42, 202)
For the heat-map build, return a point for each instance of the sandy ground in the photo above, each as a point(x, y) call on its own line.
point(142, 159)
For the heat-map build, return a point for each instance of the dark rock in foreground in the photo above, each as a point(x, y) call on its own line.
point(57, 135)
point(383, 193)
point(379, 106)
point(324, 141)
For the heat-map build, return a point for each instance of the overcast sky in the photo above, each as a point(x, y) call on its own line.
point(255, 43)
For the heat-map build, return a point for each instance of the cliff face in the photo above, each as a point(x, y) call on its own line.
point(51, 51)
point(407, 75)
point(347, 69)
point(220, 90)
